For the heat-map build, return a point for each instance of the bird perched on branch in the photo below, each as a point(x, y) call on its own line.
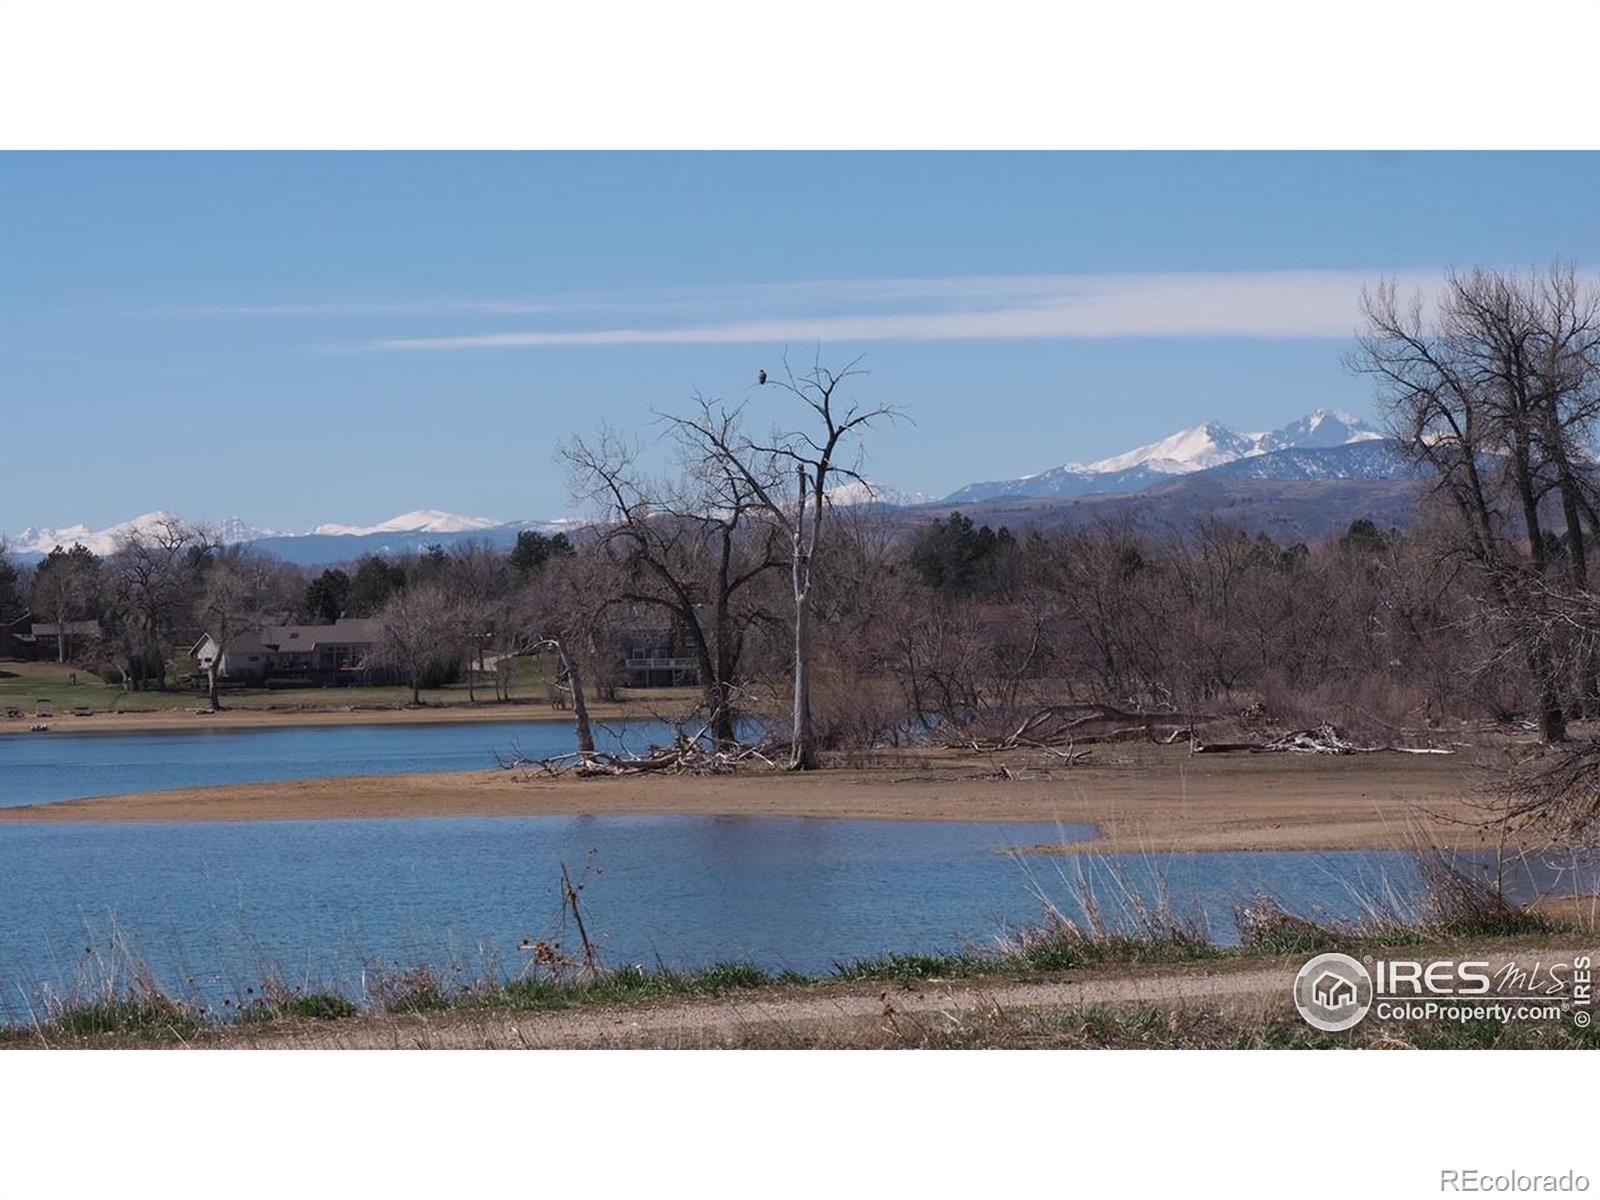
point(761, 377)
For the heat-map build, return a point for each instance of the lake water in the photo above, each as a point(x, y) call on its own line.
point(321, 902)
point(41, 768)
point(324, 901)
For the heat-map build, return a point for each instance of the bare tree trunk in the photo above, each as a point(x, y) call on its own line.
point(1552, 720)
point(1552, 717)
point(580, 706)
point(724, 721)
point(211, 683)
point(1588, 671)
point(804, 754)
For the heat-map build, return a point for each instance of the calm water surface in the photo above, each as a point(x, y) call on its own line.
point(41, 768)
point(323, 901)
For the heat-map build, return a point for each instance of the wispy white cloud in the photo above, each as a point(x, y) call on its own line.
point(1269, 304)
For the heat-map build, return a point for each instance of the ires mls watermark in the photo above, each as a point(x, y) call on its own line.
point(1335, 992)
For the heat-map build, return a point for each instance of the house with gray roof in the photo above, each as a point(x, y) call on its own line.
point(322, 654)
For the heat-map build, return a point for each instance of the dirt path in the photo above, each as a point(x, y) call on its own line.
point(1158, 798)
point(836, 1014)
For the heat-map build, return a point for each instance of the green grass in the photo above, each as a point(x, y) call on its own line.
point(24, 684)
point(320, 1006)
point(911, 968)
point(630, 985)
point(140, 1019)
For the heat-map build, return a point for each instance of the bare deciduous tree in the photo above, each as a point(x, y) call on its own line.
point(808, 460)
point(419, 634)
point(64, 588)
point(152, 575)
point(562, 607)
point(1495, 393)
point(693, 549)
point(242, 592)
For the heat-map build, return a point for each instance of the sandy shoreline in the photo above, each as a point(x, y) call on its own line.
point(1140, 797)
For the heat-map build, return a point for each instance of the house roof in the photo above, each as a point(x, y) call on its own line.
point(51, 629)
point(303, 639)
point(344, 631)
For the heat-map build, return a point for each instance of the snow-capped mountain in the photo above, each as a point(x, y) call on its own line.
point(1208, 445)
point(1204, 447)
point(1369, 458)
point(423, 520)
point(863, 491)
point(33, 540)
point(329, 542)
point(1320, 429)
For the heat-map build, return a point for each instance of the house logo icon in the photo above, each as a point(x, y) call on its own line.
point(1333, 992)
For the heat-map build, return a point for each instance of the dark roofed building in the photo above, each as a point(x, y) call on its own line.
point(323, 654)
point(44, 639)
point(11, 634)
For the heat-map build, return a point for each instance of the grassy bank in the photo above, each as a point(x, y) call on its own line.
point(1149, 978)
point(931, 1001)
point(74, 701)
point(66, 688)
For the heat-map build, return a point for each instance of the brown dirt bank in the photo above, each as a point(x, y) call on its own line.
point(185, 719)
point(1143, 797)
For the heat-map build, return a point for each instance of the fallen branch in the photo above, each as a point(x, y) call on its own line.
point(1324, 739)
point(686, 756)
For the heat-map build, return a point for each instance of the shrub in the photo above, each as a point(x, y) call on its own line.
point(1266, 927)
point(414, 991)
point(320, 1006)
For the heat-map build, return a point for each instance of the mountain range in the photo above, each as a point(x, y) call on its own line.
point(1304, 478)
point(1296, 451)
point(321, 544)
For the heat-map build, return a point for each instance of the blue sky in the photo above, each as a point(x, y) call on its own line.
point(342, 337)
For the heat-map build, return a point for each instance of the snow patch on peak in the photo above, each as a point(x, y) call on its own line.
point(1321, 428)
point(100, 541)
point(1200, 448)
point(1208, 445)
point(422, 520)
point(865, 491)
point(35, 540)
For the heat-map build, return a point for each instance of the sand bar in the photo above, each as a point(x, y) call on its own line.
point(1142, 797)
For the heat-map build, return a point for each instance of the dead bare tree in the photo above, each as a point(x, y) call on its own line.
point(810, 459)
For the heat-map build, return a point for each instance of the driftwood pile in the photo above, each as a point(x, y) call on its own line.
point(1063, 729)
point(1324, 739)
point(1060, 729)
point(688, 755)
